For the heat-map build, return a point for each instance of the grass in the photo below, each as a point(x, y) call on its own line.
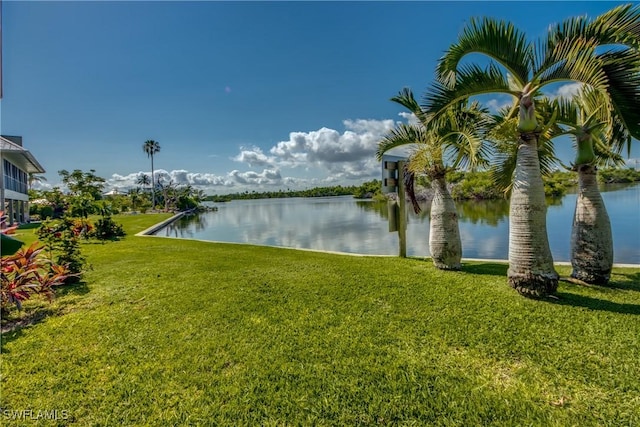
point(177, 332)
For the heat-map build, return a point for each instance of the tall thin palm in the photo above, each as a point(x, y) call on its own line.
point(151, 147)
point(454, 140)
point(521, 68)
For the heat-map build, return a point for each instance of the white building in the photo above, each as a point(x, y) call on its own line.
point(15, 167)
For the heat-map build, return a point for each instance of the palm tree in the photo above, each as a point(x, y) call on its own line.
point(151, 147)
point(143, 180)
point(521, 68)
point(33, 178)
point(587, 121)
point(598, 138)
point(602, 128)
point(455, 137)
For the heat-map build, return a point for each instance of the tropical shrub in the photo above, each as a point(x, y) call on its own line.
point(185, 203)
point(82, 206)
point(61, 238)
point(82, 227)
point(4, 227)
point(107, 229)
point(476, 185)
point(368, 189)
point(557, 183)
point(46, 212)
point(26, 273)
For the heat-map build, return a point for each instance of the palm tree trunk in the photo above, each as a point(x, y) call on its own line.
point(153, 187)
point(531, 270)
point(591, 239)
point(444, 235)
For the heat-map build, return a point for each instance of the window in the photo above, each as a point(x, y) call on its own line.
point(15, 179)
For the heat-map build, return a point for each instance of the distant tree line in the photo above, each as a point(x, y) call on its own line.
point(479, 185)
point(366, 190)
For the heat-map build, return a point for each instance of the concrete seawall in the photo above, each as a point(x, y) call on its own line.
point(154, 228)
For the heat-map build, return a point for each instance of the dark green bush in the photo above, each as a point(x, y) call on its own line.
point(107, 229)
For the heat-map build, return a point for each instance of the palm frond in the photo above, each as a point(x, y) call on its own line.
point(608, 133)
point(605, 154)
point(471, 80)
point(501, 41)
point(460, 131)
point(622, 69)
point(579, 35)
point(409, 179)
point(504, 165)
point(578, 64)
point(402, 135)
point(619, 25)
point(467, 149)
point(547, 156)
point(407, 100)
point(421, 159)
point(576, 39)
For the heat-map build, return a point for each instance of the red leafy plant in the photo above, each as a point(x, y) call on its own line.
point(4, 228)
point(29, 272)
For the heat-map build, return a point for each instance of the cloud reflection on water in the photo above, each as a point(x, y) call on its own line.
point(343, 224)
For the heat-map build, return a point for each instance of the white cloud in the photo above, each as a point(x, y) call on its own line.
point(633, 163)
point(254, 156)
point(177, 177)
point(349, 154)
point(566, 91)
point(410, 118)
point(495, 105)
point(41, 186)
point(268, 177)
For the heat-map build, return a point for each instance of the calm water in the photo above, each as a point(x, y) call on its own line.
point(344, 224)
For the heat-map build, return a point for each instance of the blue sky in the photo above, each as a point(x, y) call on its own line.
point(240, 95)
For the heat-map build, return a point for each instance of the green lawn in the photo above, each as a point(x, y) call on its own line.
point(176, 332)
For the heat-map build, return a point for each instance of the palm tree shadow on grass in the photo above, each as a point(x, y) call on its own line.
point(624, 281)
point(628, 281)
point(491, 269)
point(566, 298)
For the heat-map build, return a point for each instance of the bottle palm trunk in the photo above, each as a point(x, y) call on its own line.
point(531, 271)
point(444, 235)
point(591, 239)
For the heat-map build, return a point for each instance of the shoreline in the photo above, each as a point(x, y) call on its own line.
point(149, 232)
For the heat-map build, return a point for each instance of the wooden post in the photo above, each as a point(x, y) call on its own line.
point(392, 211)
point(402, 214)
